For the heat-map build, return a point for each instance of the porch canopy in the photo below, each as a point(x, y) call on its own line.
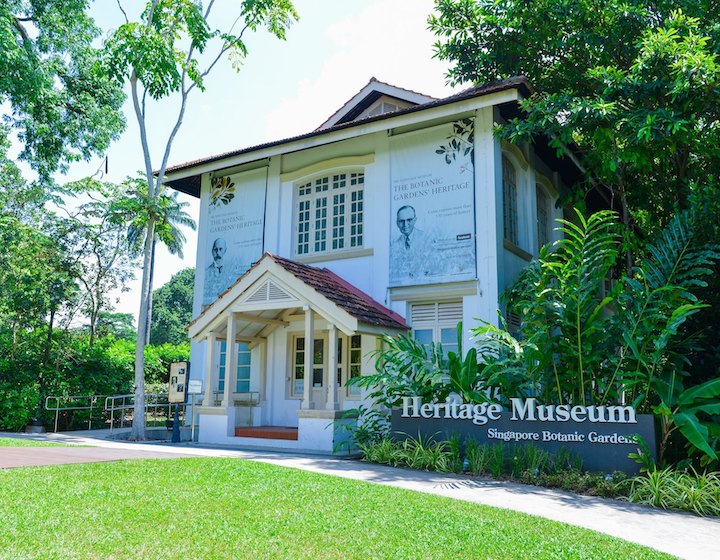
point(266, 297)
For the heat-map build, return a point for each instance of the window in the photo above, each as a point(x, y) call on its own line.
point(383, 107)
point(242, 384)
point(510, 201)
point(543, 216)
point(437, 322)
point(355, 363)
point(298, 380)
point(349, 363)
point(330, 213)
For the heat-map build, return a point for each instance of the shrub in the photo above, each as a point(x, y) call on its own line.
point(671, 489)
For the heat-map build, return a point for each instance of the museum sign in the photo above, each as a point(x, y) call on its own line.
point(601, 435)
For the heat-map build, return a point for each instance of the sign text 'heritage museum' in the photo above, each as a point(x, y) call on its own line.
point(601, 435)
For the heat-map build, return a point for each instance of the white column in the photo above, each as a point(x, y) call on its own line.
point(309, 355)
point(488, 217)
point(263, 369)
point(209, 369)
point(230, 363)
point(331, 374)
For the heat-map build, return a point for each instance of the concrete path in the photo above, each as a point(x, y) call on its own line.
point(684, 535)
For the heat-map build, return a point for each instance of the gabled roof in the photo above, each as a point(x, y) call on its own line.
point(293, 285)
point(372, 91)
point(191, 184)
point(343, 294)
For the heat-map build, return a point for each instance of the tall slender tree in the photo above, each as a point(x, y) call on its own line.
point(161, 55)
point(135, 208)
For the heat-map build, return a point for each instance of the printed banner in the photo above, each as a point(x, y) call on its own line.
point(236, 220)
point(432, 206)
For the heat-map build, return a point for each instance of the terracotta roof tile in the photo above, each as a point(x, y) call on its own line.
point(343, 294)
point(339, 291)
point(519, 82)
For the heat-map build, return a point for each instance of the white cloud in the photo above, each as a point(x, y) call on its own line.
point(388, 40)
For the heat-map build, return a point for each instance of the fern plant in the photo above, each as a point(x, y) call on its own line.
point(580, 343)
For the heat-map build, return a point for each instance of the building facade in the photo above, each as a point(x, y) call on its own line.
point(400, 212)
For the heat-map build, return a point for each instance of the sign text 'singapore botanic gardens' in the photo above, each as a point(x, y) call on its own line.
point(602, 435)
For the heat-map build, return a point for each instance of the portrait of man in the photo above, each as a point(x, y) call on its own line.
point(411, 238)
point(412, 251)
point(217, 267)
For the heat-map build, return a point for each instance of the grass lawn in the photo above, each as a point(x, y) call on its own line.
point(20, 442)
point(228, 508)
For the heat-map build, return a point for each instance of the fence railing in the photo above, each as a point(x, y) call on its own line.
point(90, 403)
point(114, 411)
point(157, 409)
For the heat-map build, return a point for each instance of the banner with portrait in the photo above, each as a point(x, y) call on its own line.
point(236, 219)
point(432, 205)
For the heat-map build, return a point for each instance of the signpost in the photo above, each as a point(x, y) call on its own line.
point(177, 393)
point(194, 388)
point(601, 435)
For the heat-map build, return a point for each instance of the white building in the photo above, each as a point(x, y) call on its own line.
point(401, 211)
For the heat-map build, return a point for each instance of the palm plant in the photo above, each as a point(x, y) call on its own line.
point(168, 213)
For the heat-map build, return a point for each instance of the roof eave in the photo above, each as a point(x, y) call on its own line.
point(185, 177)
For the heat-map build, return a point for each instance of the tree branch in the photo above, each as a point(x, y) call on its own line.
point(123, 11)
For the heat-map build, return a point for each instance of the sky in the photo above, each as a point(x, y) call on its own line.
point(284, 88)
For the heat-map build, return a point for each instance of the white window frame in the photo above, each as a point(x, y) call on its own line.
point(439, 317)
point(329, 212)
point(543, 214)
point(349, 363)
point(544, 188)
point(511, 200)
point(244, 366)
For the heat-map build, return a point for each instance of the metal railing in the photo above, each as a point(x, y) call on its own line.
point(113, 411)
point(74, 403)
point(157, 408)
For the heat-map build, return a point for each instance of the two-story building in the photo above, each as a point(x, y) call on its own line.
point(400, 212)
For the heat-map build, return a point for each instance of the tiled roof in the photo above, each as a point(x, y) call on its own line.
point(516, 82)
point(343, 294)
point(331, 286)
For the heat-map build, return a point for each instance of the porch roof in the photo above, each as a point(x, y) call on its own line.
point(267, 294)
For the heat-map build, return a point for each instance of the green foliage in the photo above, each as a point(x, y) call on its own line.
point(525, 463)
point(152, 51)
point(580, 343)
point(61, 108)
point(172, 309)
point(633, 85)
point(404, 367)
point(118, 325)
point(671, 489)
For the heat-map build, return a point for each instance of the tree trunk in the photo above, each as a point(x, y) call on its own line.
point(149, 305)
point(138, 427)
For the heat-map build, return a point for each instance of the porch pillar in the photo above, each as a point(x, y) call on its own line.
point(263, 369)
point(309, 356)
point(230, 363)
point(210, 340)
point(331, 375)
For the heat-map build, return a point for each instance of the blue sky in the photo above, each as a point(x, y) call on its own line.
point(283, 89)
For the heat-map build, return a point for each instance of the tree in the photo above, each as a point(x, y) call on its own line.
point(136, 209)
point(629, 90)
point(118, 325)
point(62, 107)
point(159, 55)
point(172, 309)
point(633, 85)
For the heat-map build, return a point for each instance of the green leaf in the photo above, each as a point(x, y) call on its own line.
point(694, 432)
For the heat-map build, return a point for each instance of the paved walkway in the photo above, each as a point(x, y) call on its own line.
point(684, 535)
